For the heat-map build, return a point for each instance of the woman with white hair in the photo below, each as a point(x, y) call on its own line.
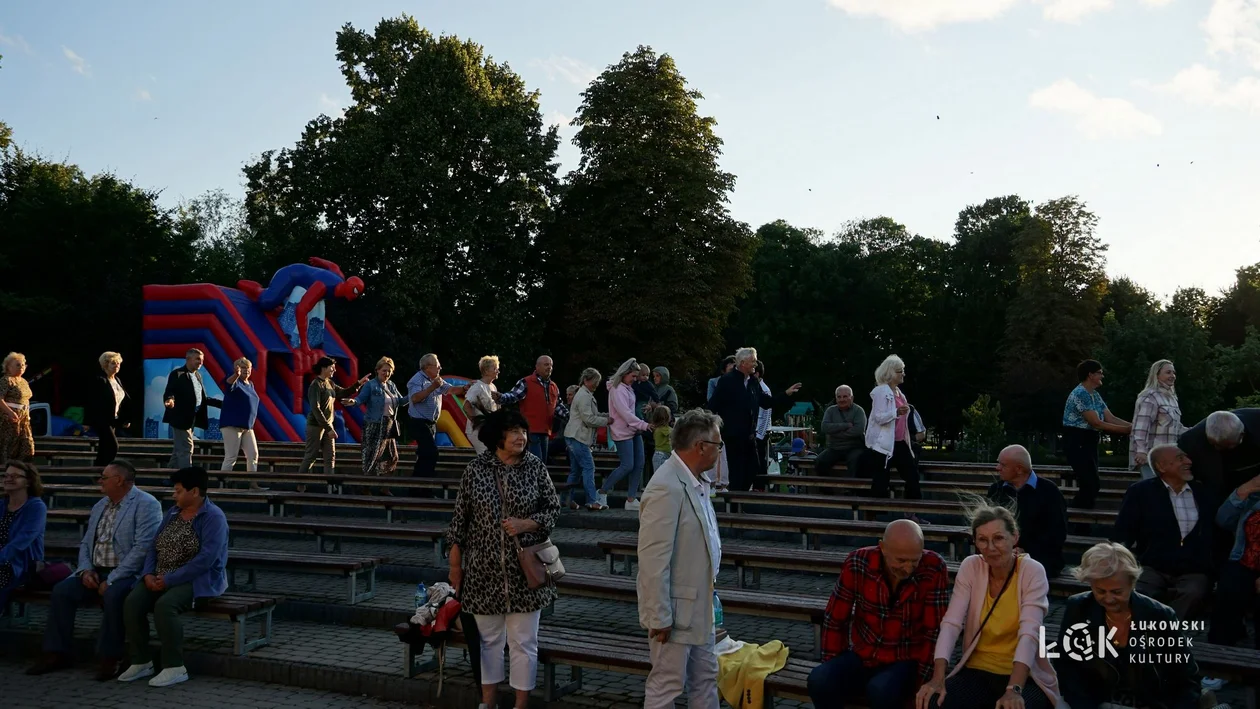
point(16, 440)
point(1156, 416)
point(237, 418)
point(103, 412)
point(624, 429)
point(888, 430)
point(480, 400)
point(1123, 674)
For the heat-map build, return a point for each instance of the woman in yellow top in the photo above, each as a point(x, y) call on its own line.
point(998, 605)
point(16, 441)
point(320, 400)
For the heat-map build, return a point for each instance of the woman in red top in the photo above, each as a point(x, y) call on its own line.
point(1239, 583)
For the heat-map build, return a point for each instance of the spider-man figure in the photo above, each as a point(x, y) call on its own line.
point(322, 279)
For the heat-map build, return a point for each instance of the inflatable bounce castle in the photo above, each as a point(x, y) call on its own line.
point(282, 329)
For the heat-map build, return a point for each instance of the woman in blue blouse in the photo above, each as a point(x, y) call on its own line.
point(380, 430)
point(22, 517)
point(1084, 417)
point(237, 417)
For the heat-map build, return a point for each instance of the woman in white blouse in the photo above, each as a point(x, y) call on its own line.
point(1156, 416)
point(104, 411)
point(480, 400)
point(888, 430)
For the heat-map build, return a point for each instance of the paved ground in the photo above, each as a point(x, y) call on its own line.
point(76, 688)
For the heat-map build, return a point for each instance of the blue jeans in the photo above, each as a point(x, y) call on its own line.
point(581, 467)
point(844, 679)
point(630, 462)
point(67, 596)
point(538, 445)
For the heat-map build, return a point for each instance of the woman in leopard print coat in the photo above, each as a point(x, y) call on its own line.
point(483, 559)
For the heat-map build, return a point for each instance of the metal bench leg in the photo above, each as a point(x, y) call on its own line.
point(612, 564)
point(244, 645)
point(739, 575)
point(552, 691)
point(756, 574)
point(411, 665)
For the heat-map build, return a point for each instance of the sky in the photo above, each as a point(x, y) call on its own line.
point(831, 110)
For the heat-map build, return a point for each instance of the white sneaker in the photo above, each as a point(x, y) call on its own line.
point(135, 672)
point(1212, 684)
point(632, 505)
point(169, 676)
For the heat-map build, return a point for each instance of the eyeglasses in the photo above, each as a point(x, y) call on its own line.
point(103, 478)
point(719, 444)
point(14, 476)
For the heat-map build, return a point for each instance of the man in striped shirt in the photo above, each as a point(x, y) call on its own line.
point(879, 633)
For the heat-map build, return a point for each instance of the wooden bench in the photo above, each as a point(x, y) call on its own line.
point(239, 608)
point(1111, 497)
point(749, 561)
point(856, 506)
point(335, 531)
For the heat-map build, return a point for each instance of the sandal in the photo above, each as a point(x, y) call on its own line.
point(574, 506)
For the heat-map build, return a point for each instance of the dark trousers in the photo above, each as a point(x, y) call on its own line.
point(67, 596)
point(763, 460)
point(106, 446)
point(1081, 448)
point(843, 680)
point(649, 447)
point(977, 688)
point(907, 468)
point(424, 433)
point(539, 444)
point(741, 456)
point(825, 463)
point(1235, 595)
point(166, 606)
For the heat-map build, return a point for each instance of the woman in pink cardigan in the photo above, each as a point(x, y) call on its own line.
point(998, 606)
point(624, 429)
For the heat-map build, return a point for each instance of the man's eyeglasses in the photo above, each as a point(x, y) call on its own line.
point(719, 444)
point(104, 478)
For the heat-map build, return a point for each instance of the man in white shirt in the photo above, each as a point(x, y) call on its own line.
point(679, 556)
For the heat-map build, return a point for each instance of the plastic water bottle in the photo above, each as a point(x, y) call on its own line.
point(422, 594)
point(718, 618)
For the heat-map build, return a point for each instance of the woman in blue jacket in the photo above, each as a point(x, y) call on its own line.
point(188, 561)
point(380, 428)
point(237, 418)
point(1236, 591)
point(22, 518)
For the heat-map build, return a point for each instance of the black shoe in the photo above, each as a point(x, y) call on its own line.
point(50, 662)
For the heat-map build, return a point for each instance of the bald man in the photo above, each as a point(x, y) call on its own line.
point(879, 633)
point(1042, 509)
point(538, 396)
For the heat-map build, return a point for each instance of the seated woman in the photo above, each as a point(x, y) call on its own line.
point(998, 605)
point(1238, 588)
point(187, 562)
point(22, 517)
point(1112, 572)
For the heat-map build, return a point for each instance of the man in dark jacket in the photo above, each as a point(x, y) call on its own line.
point(738, 399)
point(1167, 521)
point(1225, 448)
point(186, 404)
point(1042, 509)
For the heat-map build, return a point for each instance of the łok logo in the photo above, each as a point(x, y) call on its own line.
point(1080, 644)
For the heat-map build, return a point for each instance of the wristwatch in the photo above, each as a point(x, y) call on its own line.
point(1015, 688)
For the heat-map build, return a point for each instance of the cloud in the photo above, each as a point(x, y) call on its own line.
point(1205, 87)
point(568, 69)
point(143, 95)
point(1233, 27)
point(331, 106)
point(16, 41)
point(77, 63)
point(1097, 117)
point(919, 15)
point(1073, 10)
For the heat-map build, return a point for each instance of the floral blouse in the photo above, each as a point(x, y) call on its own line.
point(488, 553)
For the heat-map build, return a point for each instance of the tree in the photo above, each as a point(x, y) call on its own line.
point(1123, 297)
point(1195, 304)
point(983, 432)
point(432, 186)
point(645, 257)
point(1052, 323)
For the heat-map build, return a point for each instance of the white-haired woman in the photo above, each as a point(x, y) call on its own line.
point(480, 400)
point(1156, 416)
point(237, 418)
point(103, 412)
point(1122, 674)
point(888, 430)
point(16, 439)
point(624, 429)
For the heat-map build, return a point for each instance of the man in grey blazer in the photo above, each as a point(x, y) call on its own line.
point(679, 555)
point(119, 534)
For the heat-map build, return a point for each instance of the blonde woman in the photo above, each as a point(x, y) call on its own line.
point(480, 400)
point(888, 430)
point(380, 422)
point(104, 409)
point(16, 440)
point(1156, 416)
point(237, 418)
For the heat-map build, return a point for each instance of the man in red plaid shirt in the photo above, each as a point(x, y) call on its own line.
point(880, 630)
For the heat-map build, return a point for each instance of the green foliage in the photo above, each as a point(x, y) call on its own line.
point(983, 431)
point(433, 186)
point(645, 257)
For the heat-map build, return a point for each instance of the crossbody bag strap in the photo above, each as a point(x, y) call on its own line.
point(993, 607)
point(507, 589)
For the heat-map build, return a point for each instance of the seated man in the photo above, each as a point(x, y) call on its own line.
point(119, 534)
point(1167, 521)
point(879, 633)
point(1042, 509)
point(186, 562)
point(844, 423)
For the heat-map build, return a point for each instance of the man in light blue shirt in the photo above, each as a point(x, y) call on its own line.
point(424, 393)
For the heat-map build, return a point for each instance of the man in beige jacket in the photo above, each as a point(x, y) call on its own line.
point(679, 555)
